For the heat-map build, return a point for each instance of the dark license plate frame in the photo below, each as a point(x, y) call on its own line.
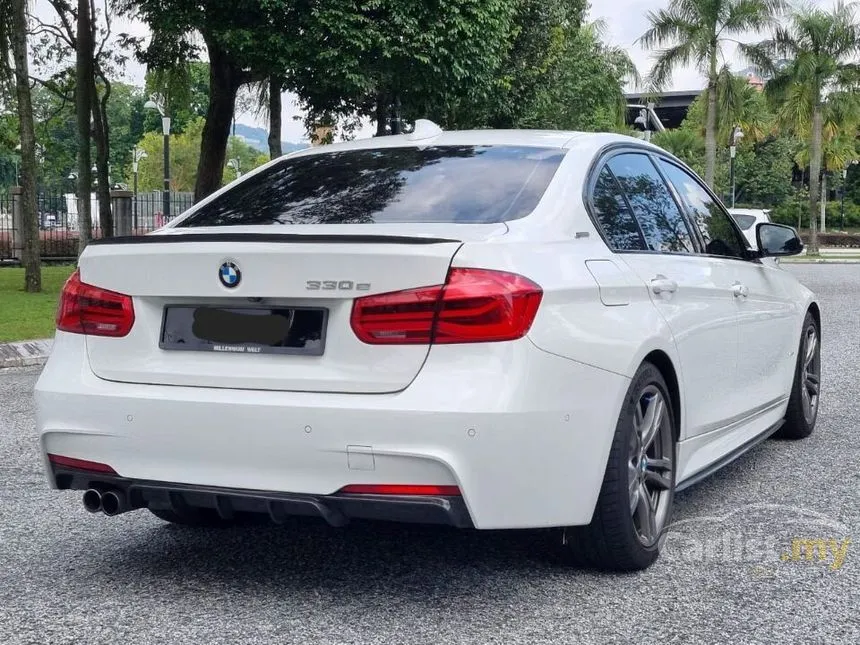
point(248, 347)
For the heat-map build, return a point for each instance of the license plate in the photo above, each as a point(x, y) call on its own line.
point(244, 330)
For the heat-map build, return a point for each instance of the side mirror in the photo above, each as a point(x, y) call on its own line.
point(777, 239)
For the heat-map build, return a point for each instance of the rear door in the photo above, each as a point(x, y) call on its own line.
point(641, 220)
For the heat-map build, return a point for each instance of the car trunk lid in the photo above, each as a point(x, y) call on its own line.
point(177, 289)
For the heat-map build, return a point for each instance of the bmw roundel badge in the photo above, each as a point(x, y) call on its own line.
point(230, 275)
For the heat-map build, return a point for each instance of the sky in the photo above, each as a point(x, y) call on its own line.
point(625, 21)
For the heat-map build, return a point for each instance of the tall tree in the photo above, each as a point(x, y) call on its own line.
point(275, 89)
point(57, 43)
point(13, 38)
point(241, 47)
point(695, 31)
point(819, 47)
point(83, 106)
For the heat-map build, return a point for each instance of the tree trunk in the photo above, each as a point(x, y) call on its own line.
point(710, 133)
point(396, 116)
point(275, 150)
point(823, 203)
point(381, 114)
point(83, 108)
point(224, 82)
point(29, 218)
point(101, 135)
point(814, 175)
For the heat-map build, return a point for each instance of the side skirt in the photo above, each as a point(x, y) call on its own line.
point(709, 470)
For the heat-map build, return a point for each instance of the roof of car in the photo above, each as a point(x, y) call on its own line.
point(522, 137)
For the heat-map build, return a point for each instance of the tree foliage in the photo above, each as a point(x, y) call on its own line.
point(818, 81)
point(694, 32)
point(185, 157)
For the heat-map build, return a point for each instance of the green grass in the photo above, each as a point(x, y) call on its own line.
point(28, 316)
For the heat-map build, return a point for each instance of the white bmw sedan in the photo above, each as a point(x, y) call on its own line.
point(488, 329)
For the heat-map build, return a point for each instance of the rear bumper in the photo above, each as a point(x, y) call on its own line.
point(335, 509)
point(523, 434)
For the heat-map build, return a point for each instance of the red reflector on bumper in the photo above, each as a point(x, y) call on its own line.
point(81, 464)
point(401, 489)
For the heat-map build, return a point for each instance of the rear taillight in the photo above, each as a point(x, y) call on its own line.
point(473, 306)
point(85, 309)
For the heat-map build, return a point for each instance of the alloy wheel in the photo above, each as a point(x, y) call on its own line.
point(810, 377)
point(650, 465)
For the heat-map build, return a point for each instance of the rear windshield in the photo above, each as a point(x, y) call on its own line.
point(458, 184)
point(744, 221)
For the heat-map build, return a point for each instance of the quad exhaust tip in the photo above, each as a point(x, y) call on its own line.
point(113, 503)
point(93, 500)
point(110, 502)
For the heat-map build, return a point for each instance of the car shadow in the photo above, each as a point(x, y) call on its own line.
point(306, 555)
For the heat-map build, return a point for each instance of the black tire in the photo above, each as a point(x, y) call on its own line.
point(799, 422)
point(202, 518)
point(612, 540)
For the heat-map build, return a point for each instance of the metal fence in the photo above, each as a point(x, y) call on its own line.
point(59, 226)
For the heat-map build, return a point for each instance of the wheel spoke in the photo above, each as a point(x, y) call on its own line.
point(658, 463)
point(635, 445)
point(812, 384)
point(804, 395)
point(645, 514)
point(654, 418)
point(659, 481)
point(633, 490)
point(811, 344)
point(638, 417)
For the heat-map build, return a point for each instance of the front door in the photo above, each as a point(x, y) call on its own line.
point(767, 343)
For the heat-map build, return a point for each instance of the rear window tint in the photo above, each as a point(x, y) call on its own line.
point(459, 184)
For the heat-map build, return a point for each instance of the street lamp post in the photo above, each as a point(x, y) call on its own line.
point(155, 104)
point(737, 134)
point(137, 155)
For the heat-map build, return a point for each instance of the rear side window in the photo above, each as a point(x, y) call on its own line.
point(655, 209)
point(721, 237)
point(614, 216)
point(443, 184)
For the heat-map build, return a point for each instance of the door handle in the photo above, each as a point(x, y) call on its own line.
point(662, 284)
point(740, 290)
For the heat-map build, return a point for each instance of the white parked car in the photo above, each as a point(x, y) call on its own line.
point(487, 329)
point(748, 219)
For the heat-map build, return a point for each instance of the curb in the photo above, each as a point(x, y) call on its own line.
point(26, 353)
point(822, 261)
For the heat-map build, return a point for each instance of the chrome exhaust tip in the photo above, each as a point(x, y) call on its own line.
point(92, 500)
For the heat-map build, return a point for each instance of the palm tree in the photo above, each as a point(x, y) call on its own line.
point(838, 149)
point(819, 46)
point(13, 39)
point(740, 104)
point(695, 31)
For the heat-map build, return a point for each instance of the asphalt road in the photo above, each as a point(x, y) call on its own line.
point(728, 575)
